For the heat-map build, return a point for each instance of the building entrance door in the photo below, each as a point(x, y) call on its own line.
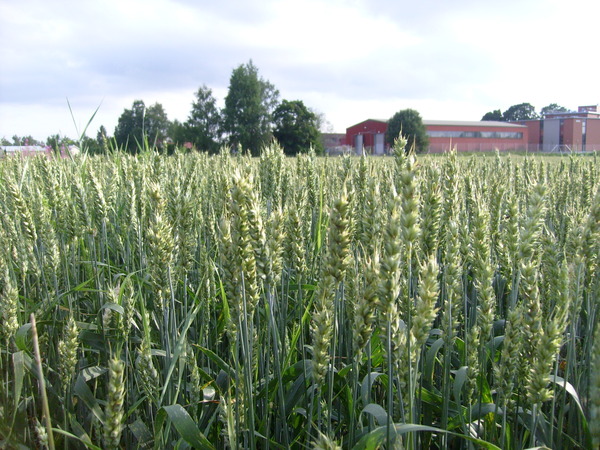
point(379, 144)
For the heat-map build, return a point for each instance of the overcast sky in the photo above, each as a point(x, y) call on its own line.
point(348, 59)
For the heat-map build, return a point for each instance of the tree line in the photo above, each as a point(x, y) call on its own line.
point(522, 111)
point(253, 116)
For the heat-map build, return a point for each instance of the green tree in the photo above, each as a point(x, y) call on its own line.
point(103, 139)
point(553, 107)
point(410, 124)
point(53, 141)
point(177, 132)
point(25, 140)
point(156, 125)
point(495, 115)
point(130, 127)
point(102, 134)
point(249, 104)
point(522, 111)
point(202, 128)
point(140, 123)
point(91, 146)
point(296, 128)
point(59, 143)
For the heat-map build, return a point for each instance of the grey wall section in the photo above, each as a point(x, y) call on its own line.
point(358, 144)
point(379, 143)
point(551, 134)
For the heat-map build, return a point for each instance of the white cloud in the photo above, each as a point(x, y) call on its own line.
point(349, 59)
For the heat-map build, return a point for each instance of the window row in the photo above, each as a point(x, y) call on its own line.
point(476, 134)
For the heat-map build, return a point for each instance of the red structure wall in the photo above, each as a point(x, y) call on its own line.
point(368, 129)
point(444, 135)
point(572, 132)
point(592, 140)
point(578, 132)
point(534, 132)
point(475, 136)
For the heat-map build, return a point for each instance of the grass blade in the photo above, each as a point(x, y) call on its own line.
point(185, 426)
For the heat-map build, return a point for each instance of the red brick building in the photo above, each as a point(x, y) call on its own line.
point(475, 136)
point(574, 131)
point(443, 135)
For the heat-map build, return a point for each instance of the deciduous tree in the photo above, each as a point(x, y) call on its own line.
point(156, 125)
point(522, 111)
point(495, 115)
point(553, 107)
point(130, 127)
point(410, 124)
point(249, 104)
point(25, 140)
point(58, 142)
point(138, 124)
point(203, 126)
point(296, 128)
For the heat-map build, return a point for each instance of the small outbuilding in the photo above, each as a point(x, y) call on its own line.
point(368, 137)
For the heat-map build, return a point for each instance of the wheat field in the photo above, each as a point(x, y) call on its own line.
point(195, 301)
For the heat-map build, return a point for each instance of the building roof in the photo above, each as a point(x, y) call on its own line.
point(372, 120)
point(456, 123)
point(472, 123)
point(572, 115)
point(22, 148)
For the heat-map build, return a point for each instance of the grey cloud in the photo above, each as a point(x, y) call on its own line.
point(241, 11)
point(427, 15)
point(88, 50)
point(104, 56)
point(429, 70)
